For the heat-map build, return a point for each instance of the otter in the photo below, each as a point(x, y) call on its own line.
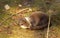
point(37, 20)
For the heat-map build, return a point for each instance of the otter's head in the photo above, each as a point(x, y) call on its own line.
point(24, 23)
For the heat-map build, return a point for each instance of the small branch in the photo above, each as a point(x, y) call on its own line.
point(47, 36)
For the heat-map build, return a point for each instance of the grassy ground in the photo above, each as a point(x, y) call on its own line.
point(17, 32)
point(9, 29)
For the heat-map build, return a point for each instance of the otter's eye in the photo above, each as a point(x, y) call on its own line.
point(21, 24)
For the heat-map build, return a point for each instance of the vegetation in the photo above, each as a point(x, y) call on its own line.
point(9, 16)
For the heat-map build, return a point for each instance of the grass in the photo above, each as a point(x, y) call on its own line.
point(9, 29)
point(12, 30)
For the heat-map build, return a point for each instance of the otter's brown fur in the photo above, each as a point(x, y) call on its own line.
point(38, 20)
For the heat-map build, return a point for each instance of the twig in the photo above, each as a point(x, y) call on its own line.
point(13, 15)
point(47, 36)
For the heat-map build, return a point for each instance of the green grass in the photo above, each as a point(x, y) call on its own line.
point(9, 29)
